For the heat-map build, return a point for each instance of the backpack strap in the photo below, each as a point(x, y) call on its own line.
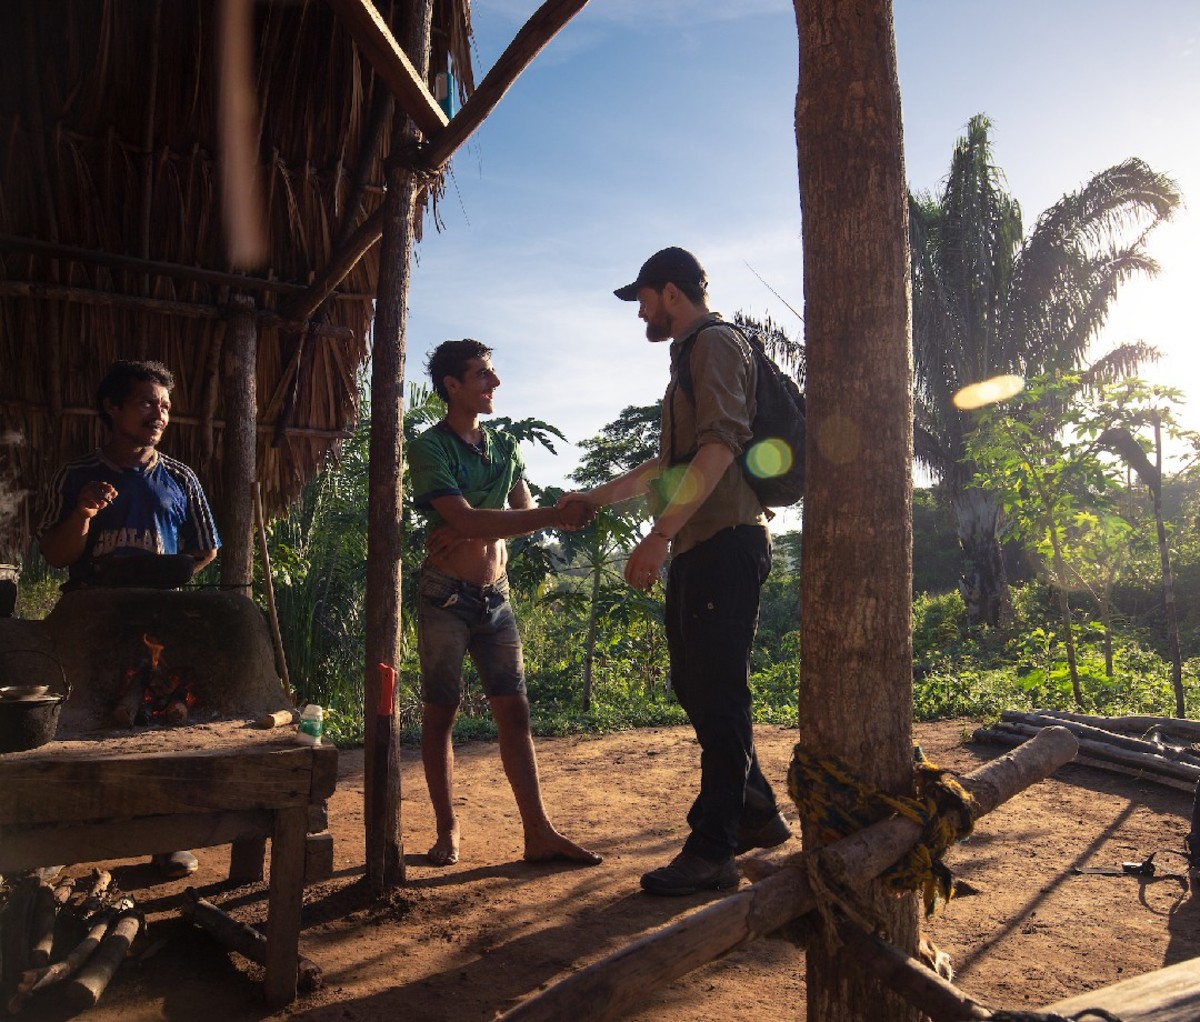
point(683, 373)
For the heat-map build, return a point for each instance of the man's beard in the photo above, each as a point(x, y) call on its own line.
point(658, 329)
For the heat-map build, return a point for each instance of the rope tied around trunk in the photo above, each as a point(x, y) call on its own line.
point(834, 801)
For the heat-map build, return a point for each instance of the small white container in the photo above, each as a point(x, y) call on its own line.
point(312, 725)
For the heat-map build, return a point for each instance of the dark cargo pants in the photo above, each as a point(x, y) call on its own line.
point(711, 618)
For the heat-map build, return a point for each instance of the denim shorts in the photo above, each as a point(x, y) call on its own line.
point(457, 618)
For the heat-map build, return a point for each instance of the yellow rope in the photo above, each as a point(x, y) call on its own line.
point(834, 802)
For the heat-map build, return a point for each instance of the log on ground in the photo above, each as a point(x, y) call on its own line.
point(245, 940)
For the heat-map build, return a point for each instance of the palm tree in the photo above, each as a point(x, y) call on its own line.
point(987, 301)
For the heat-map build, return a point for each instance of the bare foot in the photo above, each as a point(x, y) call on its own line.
point(553, 847)
point(445, 849)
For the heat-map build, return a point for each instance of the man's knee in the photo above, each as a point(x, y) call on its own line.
point(438, 718)
point(510, 711)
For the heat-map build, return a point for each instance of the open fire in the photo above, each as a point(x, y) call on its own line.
point(150, 691)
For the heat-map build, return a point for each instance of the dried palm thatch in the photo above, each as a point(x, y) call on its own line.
point(109, 145)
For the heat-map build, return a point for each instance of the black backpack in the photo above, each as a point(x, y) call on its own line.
point(773, 460)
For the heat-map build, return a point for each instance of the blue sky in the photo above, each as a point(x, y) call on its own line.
point(648, 123)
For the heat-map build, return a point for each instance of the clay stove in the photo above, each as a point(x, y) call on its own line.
point(214, 657)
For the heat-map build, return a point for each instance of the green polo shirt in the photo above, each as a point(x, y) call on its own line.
point(442, 464)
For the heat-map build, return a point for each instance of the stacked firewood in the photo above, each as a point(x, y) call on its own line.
point(1165, 750)
point(92, 929)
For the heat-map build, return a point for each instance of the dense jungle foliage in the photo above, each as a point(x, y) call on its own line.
point(578, 617)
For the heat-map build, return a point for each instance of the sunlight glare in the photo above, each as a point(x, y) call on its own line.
point(988, 392)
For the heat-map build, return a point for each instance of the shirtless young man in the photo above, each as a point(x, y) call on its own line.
point(463, 476)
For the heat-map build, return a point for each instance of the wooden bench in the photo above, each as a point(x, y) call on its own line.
point(90, 801)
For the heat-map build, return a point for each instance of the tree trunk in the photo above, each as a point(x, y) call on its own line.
point(1164, 554)
point(984, 582)
point(589, 653)
point(856, 672)
point(1064, 610)
point(381, 801)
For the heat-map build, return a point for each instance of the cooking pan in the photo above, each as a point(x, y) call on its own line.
point(29, 711)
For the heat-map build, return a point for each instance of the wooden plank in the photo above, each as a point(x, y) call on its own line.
point(390, 62)
point(1168, 995)
point(33, 845)
point(283, 905)
point(41, 790)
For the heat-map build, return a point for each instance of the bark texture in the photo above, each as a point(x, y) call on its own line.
point(856, 678)
point(385, 850)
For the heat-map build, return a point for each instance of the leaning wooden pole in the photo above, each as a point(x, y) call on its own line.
point(381, 801)
point(616, 985)
point(238, 444)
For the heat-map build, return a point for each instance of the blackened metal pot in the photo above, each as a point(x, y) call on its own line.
point(27, 722)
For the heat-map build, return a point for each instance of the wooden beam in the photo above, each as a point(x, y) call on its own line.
point(99, 840)
point(94, 257)
point(86, 788)
point(543, 25)
point(616, 984)
point(188, 310)
point(302, 306)
point(390, 62)
point(194, 420)
point(1168, 995)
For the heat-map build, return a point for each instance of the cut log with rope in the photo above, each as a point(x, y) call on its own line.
point(619, 983)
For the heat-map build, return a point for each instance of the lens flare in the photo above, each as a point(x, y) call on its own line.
point(769, 458)
point(988, 392)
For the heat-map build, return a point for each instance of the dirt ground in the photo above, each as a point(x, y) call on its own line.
point(470, 941)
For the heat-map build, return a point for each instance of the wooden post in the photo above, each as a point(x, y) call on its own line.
point(284, 902)
point(381, 797)
point(238, 441)
point(856, 593)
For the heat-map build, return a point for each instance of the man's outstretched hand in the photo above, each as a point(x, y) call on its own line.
point(575, 511)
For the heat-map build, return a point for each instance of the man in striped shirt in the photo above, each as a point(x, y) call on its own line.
point(126, 501)
point(126, 498)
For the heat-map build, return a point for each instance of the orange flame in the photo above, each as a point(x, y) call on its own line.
point(155, 648)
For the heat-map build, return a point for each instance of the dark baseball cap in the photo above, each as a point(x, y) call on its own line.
point(668, 266)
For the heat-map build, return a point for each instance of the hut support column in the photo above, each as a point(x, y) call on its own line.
point(238, 371)
point(385, 848)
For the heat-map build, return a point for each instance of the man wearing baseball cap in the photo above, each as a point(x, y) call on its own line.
point(710, 521)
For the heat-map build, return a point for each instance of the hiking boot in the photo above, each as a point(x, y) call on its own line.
point(175, 865)
point(689, 873)
point(766, 835)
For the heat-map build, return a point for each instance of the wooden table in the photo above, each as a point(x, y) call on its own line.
point(88, 801)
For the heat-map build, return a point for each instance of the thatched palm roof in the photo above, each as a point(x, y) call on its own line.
point(110, 191)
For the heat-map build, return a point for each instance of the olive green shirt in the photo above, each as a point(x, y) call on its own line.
point(724, 377)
